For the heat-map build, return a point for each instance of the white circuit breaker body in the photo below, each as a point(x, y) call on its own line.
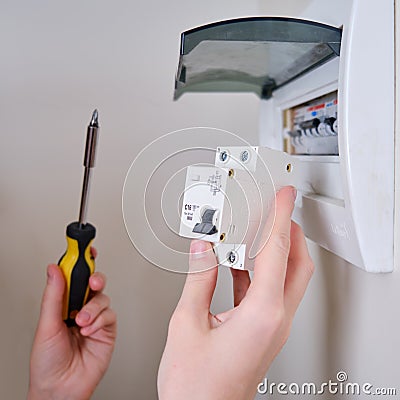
point(232, 204)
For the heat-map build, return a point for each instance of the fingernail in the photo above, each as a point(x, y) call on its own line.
point(83, 316)
point(94, 282)
point(198, 249)
point(294, 193)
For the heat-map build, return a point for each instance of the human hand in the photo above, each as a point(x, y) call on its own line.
point(226, 356)
point(68, 363)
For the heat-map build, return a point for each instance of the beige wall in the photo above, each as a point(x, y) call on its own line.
point(59, 61)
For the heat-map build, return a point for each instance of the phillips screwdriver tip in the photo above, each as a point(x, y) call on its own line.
point(95, 118)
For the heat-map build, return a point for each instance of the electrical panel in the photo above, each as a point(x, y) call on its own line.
point(326, 126)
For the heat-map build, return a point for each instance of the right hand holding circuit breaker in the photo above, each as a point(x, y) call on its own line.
point(226, 356)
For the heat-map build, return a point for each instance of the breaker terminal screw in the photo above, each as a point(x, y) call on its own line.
point(223, 156)
point(232, 257)
point(244, 156)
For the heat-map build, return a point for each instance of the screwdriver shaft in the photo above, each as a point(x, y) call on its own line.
point(88, 162)
point(84, 197)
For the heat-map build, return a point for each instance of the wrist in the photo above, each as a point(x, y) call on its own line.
point(35, 394)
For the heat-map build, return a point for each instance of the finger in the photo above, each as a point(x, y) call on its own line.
point(105, 319)
point(241, 282)
point(93, 252)
point(270, 264)
point(97, 282)
point(201, 279)
point(299, 271)
point(50, 320)
point(92, 309)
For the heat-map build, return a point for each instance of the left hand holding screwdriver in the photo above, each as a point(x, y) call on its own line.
point(68, 363)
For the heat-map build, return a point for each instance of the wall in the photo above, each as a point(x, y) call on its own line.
point(60, 60)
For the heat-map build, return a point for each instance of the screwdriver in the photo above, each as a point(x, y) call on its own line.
point(77, 263)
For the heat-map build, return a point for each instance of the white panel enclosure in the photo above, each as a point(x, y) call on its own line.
point(360, 227)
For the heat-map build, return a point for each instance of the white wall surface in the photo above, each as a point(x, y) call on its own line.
point(59, 60)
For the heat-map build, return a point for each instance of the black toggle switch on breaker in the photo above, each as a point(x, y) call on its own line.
point(206, 225)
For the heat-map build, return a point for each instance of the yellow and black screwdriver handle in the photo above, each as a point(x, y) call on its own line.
point(77, 264)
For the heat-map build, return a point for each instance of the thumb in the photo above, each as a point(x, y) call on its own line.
point(201, 279)
point(50, 320)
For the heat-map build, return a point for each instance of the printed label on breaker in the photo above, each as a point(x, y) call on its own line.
point(189, 210)
point(204, 190)
point(215, 183)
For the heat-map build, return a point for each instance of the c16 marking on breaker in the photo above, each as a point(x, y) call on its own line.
point(189, 210)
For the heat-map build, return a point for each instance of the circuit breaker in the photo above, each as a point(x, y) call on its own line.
point(232, 204)
point(312, 127)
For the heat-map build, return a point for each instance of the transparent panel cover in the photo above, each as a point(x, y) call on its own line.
point(252, 54)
